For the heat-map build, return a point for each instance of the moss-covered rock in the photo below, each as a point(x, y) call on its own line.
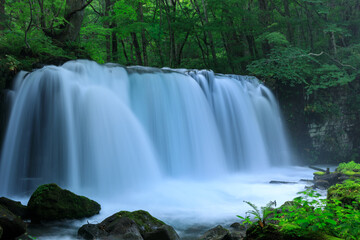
point(137, 223)
point(319, 173)
point(15, 207)
point(50, 202)
point(143, 219)
point(348, 193)
point(12, 226)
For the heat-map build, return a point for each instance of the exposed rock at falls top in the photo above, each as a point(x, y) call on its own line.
point(15, 207)
point(50, 202)
point(324, 180)
point(10, 224)
point(137, 225)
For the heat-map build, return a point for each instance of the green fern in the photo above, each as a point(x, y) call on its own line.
point(260, 215)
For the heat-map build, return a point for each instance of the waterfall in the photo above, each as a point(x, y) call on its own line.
point(105, 128)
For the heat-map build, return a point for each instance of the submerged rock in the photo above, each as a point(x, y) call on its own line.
point(11, 225)
point(164, 232)
point(129, 225)
point(237, 231)
point(216, 233)
point(15, 207)
point(50, 202)
point(111, 228)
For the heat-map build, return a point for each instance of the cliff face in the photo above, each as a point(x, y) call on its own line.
point(335, 134)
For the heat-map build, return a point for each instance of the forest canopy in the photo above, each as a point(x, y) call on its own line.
point(233, 36)
point(309, 45)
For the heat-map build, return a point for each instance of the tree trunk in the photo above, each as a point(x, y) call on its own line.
point(252, 46)
point(333, 43)
point(74, 15)
point(107, 25)
point(42, 17)
point(290, 29)
point(169, 17)
point(211, 40)
point(114, 40)
point(264, 19)
point(137, 49)
point(2, 15)
point(124, 51)
point(143, 38)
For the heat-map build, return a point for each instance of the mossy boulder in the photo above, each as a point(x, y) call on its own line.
point(129, 225)
point(15, 207)
point(348, 193)
point(50, 202)
point(11, 225)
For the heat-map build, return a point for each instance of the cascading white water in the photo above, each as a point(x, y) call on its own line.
point(109, 128)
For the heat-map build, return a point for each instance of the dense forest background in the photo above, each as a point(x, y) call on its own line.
point(306, 51)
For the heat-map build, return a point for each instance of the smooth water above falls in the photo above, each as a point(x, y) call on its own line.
point(102, 129)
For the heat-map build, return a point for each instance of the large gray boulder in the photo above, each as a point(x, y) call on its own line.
point(12, 226)
point(50, 202)
point(137, 225)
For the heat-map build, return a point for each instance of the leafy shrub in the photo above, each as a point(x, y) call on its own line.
point(311, 215)
point(350, 166)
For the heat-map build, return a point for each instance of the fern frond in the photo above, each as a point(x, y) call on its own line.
point(254, 212)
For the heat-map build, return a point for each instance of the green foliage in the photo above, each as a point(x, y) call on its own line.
point(349, 166)
point(275, 38)
point(310, 213)
point(293, 66)
point(310, 216)
point(348, 193)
